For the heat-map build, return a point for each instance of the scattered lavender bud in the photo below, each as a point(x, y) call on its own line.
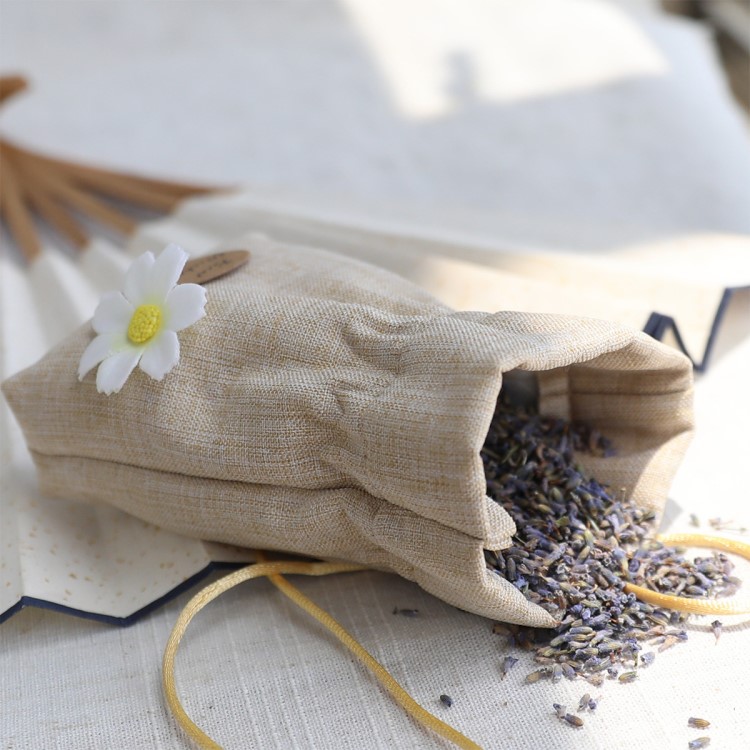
point(716, 627)
point(536, 676)
point(569, 672)
point(508, 663)
point(406, 612)
point(573, 720)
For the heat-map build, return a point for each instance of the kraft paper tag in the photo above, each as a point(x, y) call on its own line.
point(210, 267)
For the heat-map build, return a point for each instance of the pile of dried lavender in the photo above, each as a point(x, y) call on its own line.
point(575, 548)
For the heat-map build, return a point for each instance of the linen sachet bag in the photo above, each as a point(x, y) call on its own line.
point(311, 403)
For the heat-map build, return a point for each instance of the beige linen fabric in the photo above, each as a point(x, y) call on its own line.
point(327, 407)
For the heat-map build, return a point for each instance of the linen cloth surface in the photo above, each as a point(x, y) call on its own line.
point(525, 161)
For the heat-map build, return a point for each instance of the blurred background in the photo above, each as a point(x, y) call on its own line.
point(730, 22)
point(601, 125)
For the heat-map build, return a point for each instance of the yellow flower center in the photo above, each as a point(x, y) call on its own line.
point(144, 324)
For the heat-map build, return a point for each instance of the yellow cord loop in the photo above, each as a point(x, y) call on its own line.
point(697, 606)
point(274, 570)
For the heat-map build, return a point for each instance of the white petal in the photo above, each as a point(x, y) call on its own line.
point(112, 314)
point(100, 348)
point(115, 370)
point(137, 279)
point(166, 272)
point(161, 355)
point(184, 306)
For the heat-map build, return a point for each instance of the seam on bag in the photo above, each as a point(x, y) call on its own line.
point(250, 484)
point(203, 477)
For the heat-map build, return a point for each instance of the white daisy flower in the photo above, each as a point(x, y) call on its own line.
point(139, 325)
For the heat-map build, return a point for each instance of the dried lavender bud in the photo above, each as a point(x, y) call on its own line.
point(573, 720)
point(559, 710)
point(508, 663)
point(699, 743)
point(405, 612)
point(577, 544)
point(585, 698)
point(628, 676)
point(536, 676)
point(647, 659)
point(716, 627)
point(446, 700)
point(696, 723)
point(668, 642)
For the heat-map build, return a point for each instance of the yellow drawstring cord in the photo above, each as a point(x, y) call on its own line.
point(274, 570)
point(697, 606)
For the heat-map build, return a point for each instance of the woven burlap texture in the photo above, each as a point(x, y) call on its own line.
point(329, 408)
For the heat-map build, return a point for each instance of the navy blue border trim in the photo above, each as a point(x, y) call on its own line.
point(32, 601)
point(658, 324)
